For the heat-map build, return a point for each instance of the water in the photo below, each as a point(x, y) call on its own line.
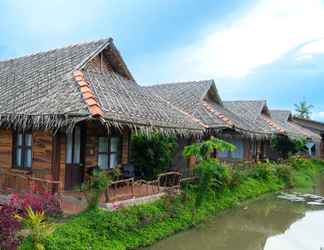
point(265, 224)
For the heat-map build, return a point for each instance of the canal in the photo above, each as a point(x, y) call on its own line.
point(268, 223)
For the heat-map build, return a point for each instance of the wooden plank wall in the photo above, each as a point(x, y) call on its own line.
point(42, 148)
point(41, 154)
point(247, 145)
point(5, 148)
point(62, 149)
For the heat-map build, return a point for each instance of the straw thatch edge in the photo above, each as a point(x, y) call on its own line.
point(39, 122)
point(56, 122)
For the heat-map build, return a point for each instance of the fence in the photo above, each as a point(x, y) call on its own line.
point(129, 188)
point(11, 181)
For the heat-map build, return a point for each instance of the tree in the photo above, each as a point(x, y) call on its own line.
point(203, 151)
point(303, 109)
point(210, 172)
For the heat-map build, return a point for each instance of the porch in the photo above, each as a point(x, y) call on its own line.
point(118, 194)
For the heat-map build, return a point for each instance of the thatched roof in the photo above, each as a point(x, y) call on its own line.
point(188, 96)
point(285, 119)
point(256, 112)
point(201, 100)
point(38, 90)
point(315, 126)
point(48, 90)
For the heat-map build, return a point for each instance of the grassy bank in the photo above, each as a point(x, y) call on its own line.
point(139, 226)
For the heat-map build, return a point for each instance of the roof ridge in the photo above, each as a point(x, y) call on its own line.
point(280, 110)
point(306, 119)
point(177, 82)
point(53, 49)
point(258, 100)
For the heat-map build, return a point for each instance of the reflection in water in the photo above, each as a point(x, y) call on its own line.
point(305, 234)
point(267, 224)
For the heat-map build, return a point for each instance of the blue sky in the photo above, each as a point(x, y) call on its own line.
point(268, 49)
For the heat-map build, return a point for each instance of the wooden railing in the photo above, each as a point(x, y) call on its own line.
point(129, 188)
point(120, 190)
point(169, 180)
point(12, 181)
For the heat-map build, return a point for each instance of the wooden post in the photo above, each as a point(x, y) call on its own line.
point(107, 195)
point(132, 188)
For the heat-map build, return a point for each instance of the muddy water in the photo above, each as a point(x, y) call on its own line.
point(265, 224)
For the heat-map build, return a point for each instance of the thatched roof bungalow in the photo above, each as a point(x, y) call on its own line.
point(248, 124)
point(245, 124)
point(296, 130)
point(67, 110)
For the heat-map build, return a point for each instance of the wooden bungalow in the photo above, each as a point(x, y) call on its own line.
point(65, 111)
point(274, 122)
point(296, 129)
point(201, 100)
point(315, 126)
point(248, 125)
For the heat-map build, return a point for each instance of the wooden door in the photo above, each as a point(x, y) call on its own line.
point(74, 165)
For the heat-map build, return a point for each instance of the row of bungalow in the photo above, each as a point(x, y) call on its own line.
point(67, 110)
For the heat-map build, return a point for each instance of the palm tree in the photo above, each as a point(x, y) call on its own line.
point(303, 109)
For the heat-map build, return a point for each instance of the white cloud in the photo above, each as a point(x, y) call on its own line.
point(318, 115)
point(311, 49)
point(262, 35)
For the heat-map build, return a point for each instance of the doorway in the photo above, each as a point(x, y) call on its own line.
point(74, 162)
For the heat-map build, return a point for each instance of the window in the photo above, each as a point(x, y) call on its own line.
point(73, 146)
point(108, 152)
point(239, 152)
point(224, 154)
point(103, 152)
point(23, 150)
point(236, 154)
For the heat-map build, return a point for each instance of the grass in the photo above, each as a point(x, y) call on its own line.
point(139, 226)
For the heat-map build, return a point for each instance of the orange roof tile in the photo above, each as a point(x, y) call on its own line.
point(90, 101)
point(83, 83)
point(87, 94)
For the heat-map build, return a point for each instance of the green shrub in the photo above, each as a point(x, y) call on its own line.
point(237, 176)
point(95, 187)
point(298, 163)
point(152, 155)
point(262, 171)
point(286, 146)
point(285, 172)
point(305, 171)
